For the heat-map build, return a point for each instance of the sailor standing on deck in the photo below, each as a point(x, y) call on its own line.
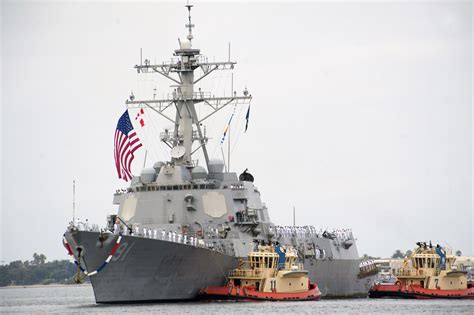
point(116, 227)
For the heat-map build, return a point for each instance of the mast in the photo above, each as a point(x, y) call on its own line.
point(294, 216)
point(73, 202)
point(228, 149)
point(187, 124)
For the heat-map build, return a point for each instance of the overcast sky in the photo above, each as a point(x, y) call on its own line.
point(361, 114)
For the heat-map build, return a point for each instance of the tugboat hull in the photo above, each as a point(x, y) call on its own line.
point(249, 293)
point(416, 292)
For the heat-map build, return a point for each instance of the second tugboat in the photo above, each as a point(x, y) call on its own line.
point(427, 273)
point(271, 273)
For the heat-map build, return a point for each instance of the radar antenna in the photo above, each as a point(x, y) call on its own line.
point(189, 25)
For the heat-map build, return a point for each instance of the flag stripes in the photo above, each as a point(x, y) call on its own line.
point(126, 143)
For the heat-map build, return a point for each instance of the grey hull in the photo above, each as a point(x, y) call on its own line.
point(338, 278)
point(144, 269)
point(149, 270)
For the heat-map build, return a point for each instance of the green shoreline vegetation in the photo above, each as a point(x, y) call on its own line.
point(37, 271)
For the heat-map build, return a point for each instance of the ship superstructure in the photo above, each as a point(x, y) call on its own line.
point(181, 226)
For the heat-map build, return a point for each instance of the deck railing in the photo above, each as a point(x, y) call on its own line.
point(249, 273)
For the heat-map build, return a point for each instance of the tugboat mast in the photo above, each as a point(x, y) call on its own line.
point(187, 124)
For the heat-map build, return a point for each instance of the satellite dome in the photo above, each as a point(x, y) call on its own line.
point(199, 172)
point(157, 166)
point(185, 44)
point(147, 175)
point(216, 166)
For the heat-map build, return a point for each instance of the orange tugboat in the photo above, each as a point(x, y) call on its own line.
point(427, 273)
point(271, 273)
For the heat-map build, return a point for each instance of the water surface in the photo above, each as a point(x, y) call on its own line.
point(80, 300)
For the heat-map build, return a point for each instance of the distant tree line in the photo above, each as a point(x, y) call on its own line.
point(37, 271)
point(399, 254)
point(368, 257)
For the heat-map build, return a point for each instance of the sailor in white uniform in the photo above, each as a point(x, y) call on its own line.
point(116, 228)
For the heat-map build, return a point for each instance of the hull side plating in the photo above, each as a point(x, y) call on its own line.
point(151, 270)
point(144, 269)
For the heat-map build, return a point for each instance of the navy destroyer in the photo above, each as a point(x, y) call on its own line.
point(181, 226)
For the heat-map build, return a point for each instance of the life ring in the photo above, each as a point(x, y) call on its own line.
point(420, 272)
point(398, 283)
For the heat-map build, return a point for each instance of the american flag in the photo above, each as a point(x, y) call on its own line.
point(126, 142)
